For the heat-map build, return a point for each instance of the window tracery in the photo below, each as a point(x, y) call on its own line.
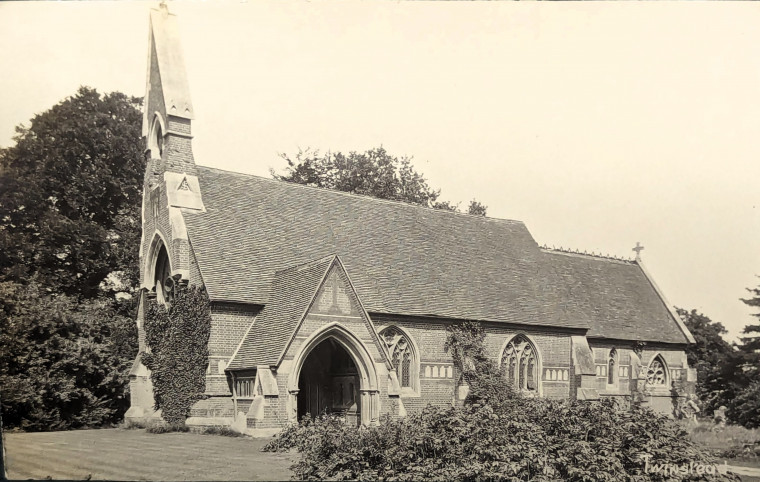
point(520, 361)
point(657, 373)
point(402, 356)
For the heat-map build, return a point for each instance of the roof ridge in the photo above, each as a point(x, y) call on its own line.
point(584, 254)
point(362, 196)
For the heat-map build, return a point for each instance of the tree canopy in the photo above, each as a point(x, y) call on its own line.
point(373, 173)
point(727, 375)
point(70, 196)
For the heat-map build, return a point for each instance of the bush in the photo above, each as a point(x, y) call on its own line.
point(168, 428)
point(64, 363)
point(526, 439)
point(223, 431)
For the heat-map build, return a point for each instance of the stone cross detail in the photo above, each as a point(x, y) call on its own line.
point(638, 250)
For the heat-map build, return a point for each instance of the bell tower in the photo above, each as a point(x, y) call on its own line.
point(171, 184)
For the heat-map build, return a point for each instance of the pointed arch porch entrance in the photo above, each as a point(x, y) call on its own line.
point(334, 372)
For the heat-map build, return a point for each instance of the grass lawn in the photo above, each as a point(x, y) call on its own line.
point(119, 454)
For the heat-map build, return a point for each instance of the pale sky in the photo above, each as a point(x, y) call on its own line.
point(597, 124)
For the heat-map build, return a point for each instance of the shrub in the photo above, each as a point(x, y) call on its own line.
point(168, 428)
point(223, 431)
point(178, 341)
point(529, 439)
point(64, 362)
point(132, 425)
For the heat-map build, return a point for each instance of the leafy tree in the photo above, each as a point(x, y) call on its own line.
point(713, 357)
point(70, 195)
point(476, 208)
point(374, 173)
point(63, 362)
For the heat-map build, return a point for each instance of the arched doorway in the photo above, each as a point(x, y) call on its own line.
point(336, 336)
point(329, 383)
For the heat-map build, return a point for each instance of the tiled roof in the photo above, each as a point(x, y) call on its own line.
point(616, 294)
point(408, 260)
point(291, 293)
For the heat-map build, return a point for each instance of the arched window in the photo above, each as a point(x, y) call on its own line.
point(156, 139)
point(161, 274)
point(403, 357)
point(520, 362)
point(657, 374)
point(612, 367)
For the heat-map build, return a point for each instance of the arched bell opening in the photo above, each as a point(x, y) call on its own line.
point(329, 383)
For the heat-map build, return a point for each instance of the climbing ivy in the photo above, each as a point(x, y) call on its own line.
point(177, 339)
point(488, 385)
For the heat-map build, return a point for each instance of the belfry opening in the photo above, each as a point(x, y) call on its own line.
point(329, 383)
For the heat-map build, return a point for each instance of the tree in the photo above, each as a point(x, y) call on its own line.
point(751, 343)
point(70, 195)
point(69, 232)
point(374, 173)
point(745, 407)
point(713, 357)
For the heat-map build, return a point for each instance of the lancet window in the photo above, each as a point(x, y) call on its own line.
point(611, 367)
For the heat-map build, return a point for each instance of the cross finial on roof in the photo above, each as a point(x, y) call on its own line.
point(638, 248)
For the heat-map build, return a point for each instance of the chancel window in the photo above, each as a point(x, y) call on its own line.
point(611, 364)
point(657, 373)
point(402, 356)
point(520, 362)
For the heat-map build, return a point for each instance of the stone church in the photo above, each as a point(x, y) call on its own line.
point(325, 301)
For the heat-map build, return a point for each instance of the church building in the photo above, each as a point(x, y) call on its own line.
point(325, 301)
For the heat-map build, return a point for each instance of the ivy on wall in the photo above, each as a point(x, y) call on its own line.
point(177, 339)
point(487, 382)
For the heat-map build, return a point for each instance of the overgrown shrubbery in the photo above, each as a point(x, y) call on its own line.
point(527, 439)
point(178, 342)
point(64, 362)
point(497, 435)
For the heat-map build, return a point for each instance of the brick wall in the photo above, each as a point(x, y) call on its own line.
point(178, 149)
point(229, 322)
point(429, 336)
